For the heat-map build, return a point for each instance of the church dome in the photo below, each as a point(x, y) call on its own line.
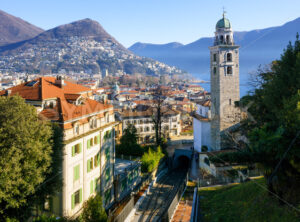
point(223, 23)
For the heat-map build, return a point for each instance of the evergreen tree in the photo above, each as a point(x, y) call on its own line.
point(128, 142)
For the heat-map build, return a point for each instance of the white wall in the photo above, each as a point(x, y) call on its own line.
point(201, 134)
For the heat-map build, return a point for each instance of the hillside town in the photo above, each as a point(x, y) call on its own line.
point(92, 132)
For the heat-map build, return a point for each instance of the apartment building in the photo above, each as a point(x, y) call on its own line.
point(143, 122)
point(88, 127)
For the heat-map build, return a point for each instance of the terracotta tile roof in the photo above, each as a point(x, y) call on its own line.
point(70, 111)
point(45, 88)
point(72, 97)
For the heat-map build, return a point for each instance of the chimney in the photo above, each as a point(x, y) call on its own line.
point(60, 82)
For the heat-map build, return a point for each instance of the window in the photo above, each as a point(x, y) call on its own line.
point(229, 57)
point(134, 121)
point(90, 165)
point(107, 117)
point(76, 129)
point(97, 140)
point(228, 39)
point(215, 70)
point(230, 102)
point(76, 173)
point(107, 174)
point(76, 149)
point(97, 160)
point(221, 38)
point(215, 57)
point(140, 121)
point(76, 198)
point(206, 160)
point(229, 70)
point(90, 142)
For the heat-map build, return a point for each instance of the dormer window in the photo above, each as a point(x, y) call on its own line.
point(76, 129)
point(93, 123)
point(107, 117)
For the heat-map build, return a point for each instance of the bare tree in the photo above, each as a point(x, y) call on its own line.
point(159, 96)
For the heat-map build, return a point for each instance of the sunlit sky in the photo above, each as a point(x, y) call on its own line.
point(156, 21)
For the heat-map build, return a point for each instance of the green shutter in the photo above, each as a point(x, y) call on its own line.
point(80, 195)
point(73, 150)
point(91, 187)
point(98, 159)
point(88, 143)
point(88, 166)
point(95, 184)
point(80, 147)
point(73, 201)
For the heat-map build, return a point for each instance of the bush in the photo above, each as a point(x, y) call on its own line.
point(93, 211)
point(151, 159)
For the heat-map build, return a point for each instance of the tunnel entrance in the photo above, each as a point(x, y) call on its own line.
point(183, 162)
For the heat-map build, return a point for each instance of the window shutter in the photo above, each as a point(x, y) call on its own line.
point(98, 159)
point(88, 144)
point(80, 147)
point(80, 195)
point(91, 187)
point(73, 150)
point(73, 201)
point(98, 139)
point(95, 184)
point(88, 166)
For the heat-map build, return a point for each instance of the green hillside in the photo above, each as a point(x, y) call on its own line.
point(243, 202)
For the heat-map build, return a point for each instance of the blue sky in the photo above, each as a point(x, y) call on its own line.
point(156, 21)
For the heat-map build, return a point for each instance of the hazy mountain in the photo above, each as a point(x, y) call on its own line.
point(81, 46)
point(13, 29)
point(257, 47)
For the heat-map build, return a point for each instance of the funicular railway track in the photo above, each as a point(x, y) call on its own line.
point(160, 196)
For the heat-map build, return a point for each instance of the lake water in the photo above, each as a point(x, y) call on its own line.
point(244, 85)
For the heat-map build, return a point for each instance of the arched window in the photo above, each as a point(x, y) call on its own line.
point(228, 39)
point(215, 70)
point(221, 38)
point(229, 70)
point(229, 57)
point(215, 57)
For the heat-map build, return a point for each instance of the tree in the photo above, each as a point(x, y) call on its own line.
point(128, 142)
point(93, 211)
point(25, 157)
point(159, 95)
point(273, 126)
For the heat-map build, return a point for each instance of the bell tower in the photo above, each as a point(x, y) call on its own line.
point(224, 81)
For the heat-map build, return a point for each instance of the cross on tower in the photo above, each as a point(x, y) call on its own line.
point(224, 12)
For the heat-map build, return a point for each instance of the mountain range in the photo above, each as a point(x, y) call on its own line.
point(257, 47)
point(79, 47)
point(14, 29)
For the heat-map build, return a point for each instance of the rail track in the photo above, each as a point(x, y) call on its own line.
point(160, 197)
